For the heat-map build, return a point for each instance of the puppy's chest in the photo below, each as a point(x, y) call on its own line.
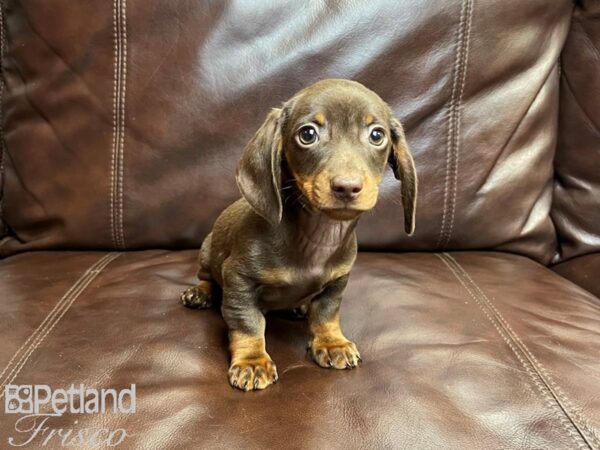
point(297, 281)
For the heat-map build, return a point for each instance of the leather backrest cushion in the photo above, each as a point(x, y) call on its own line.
point(124, 121)
point(576, 206)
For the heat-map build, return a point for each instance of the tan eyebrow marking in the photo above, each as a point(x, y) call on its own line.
point(369, 119)
point(320, 118)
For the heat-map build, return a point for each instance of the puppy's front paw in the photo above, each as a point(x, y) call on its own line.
point(336, 355)
point(253, 374)
point(197, 297)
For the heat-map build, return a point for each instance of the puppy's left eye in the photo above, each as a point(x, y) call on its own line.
point(307, 135)
point(377, 136)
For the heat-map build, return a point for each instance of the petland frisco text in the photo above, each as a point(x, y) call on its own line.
point(39, 405)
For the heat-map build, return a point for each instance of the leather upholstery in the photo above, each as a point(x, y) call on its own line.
point(582, 270)
point(475, 85)
point(461, 350)
point(122, 123)
point(575, 208)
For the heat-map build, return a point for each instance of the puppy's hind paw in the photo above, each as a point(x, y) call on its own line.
point(197, 297)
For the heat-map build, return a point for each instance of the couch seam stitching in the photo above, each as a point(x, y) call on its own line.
point(550, 403)
point(452, 113)
point(114, 127)
point(122, 115)
point(536, 364)
point(58, 308)
point(52, 319)
point(449, 131)
point(457, 116)
point(117, 144)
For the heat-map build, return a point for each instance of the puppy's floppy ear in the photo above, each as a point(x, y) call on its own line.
point(404, 170)
point(258, 173)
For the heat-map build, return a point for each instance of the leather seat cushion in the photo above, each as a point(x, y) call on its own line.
point(463, 350)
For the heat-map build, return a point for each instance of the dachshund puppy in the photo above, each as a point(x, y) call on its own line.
point(306, 176)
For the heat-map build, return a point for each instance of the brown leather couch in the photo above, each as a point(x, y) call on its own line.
point(122, 123)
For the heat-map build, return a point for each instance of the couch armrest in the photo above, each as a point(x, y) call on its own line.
point(582, 270)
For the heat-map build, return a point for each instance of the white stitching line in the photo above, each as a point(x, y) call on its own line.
point(59, 310)
point(548, 378)
point(119, 129)
point(118, 106)
point(122, 115)
point(47, 323)
point(452, 136)
point(118, 141)
point(74, 291)
point(532, 359)
point(451, 122)
point(456, 138)
point(47, 318)
point(550, 401)
point(450, 125)
point(114, 138)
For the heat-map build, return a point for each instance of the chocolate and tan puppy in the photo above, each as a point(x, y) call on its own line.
point(312, 168)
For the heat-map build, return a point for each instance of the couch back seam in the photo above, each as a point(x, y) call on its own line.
point(453, 134)
point(118, 139)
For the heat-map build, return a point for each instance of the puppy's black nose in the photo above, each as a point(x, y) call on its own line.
point(346, 188)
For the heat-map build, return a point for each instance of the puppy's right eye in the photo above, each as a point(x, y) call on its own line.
point(307, 135)
point(377, 136)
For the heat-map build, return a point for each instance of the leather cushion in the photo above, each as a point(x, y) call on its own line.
point(462, 350)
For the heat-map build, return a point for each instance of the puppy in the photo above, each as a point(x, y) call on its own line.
point(306, 176)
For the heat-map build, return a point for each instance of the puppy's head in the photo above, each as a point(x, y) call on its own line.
point(335, 138)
